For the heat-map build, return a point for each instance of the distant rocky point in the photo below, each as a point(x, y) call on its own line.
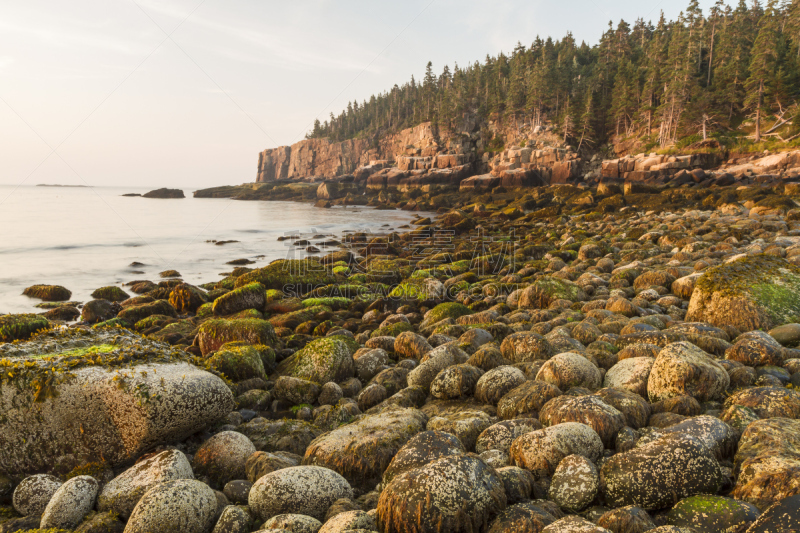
point(59, 185)
point(164, 193)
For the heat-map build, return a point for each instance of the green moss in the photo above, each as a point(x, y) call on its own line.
point(21, 327)
point(770, 281)
point(413, 289)
point(447, 310)
point(113, 323)
point(332, 302)
point(222, 331)
point(239, 361)
point(250, 296)
point(320, 361)
point(153, 320)
point(341, 270)
point(298, 275)
point(392, 330)
point(205, 310)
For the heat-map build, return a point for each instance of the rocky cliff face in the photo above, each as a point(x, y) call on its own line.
point(310, 158)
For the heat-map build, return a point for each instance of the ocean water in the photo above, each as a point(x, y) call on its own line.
point(85, 238)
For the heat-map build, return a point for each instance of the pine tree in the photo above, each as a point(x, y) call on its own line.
point(762, 64)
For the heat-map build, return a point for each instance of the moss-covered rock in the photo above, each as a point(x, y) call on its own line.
point(546, 290)
point(712, 513)
point(187, 298)
point(48, 293)
point(135, 313)
point(320, 361)
point(110, 293)
point(419, 289)
point(21, 327)
point(250, 296)
point(296, 276)
point(240, 361)
point(362, 450)
point(446, 310)
point(214, 333)
point(754, 292)
point(69, 397)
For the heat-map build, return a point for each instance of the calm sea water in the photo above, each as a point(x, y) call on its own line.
point(85, 238)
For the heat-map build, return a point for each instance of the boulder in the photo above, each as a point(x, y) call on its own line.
point(587, 409)
point(712, 513)
point(121, 494)
point(307, 490)
point(164, 193)
point(71, 503)
point(184, 505)
point(683, 368)
point(420, 450)
point(320, 361)
point(753, 292)
point(21, 327)
point(222, 458)
point(457, 493)
point(545, 291)
point(498, 382)
point(541, 451)
point(500, 436)
point(575, 483)
point(250, 296)
point(34, 493)
point(528, 397)
point(660, 473)
point(567, 370)
point(362, 450)
point(212, 334)
point(68, 409)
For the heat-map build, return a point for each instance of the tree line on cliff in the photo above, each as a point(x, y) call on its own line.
point(699, 76)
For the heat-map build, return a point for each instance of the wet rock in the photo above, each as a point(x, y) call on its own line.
point(767, 402)
point(575, 483)
point(545, 291)
point(187, 298)
point(164, 193)
point(21, 327)
point(362, 450)
point(629, 519)
point(370, 363)
point(786, 335)
point(466, 424)
point(683, 368)
point(457, 493)
point(233, 520)
point(121, 494)
point(214, 333)
point(409, 344)
point(296, 523)
point(438, 359)
point(274, 436)
point(541, 451)
point(635, 408)
point(48, 293)
point(307, 490)
point(110, 293)
point(518, 483)
point(260, 464)
point(296, 391)
point(251, 296)
point(95, 311)
point(237, 490)
point(183, 505)
point(660, 473)
point(756, 348)
point(240, 362)
point(71, 503)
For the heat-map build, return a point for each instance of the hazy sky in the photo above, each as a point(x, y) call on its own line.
point(187, 92)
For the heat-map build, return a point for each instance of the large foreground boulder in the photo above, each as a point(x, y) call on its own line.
point(70, 398)
point(457, 493)
point(307, 490)
point(660, 473)
point(754, 292)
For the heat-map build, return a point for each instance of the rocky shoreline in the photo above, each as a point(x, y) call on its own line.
point(616, 354)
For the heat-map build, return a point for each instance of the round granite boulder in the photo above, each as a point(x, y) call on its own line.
point(683, 368)
point(34, 492)
point(526, 399)
point(587, 409)
point(541, 451)
point(71, 503)
point(457, 493)
point(420, 450)
point(455, 382)
point(569, 369)
point(222, 458)
point(184, 505)
point(660, 473)
point(307, 490)
point(575, 483)
point(496, 383)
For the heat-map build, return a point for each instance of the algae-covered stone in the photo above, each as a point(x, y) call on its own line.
point(683, 368)
point(187, 298)
point(767, 402)
point(320, 361)
point(457, 493)
point(419, 289)
point(546, 290)
point(239, 361)
point(250, 296)
point(121, 494)
point(754, 292)
point(214, 333)
point(292, 276)
point(523, 518)
point(362, 450)
point(307, 490)
point(111, 293)
point(135, 313)
point(529, 397)
point(455, 382)
point(447, 310)
point(48, 293)
point(497, 382)
point(420, 450)
point(233, 520)
point(21, 327)
point(113, 395)
point(526, 346)
point(184, 505)
point(712, 513)
point(660, 473)
point(499, 436)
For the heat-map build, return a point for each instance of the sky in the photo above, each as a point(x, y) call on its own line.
point(185, 93)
